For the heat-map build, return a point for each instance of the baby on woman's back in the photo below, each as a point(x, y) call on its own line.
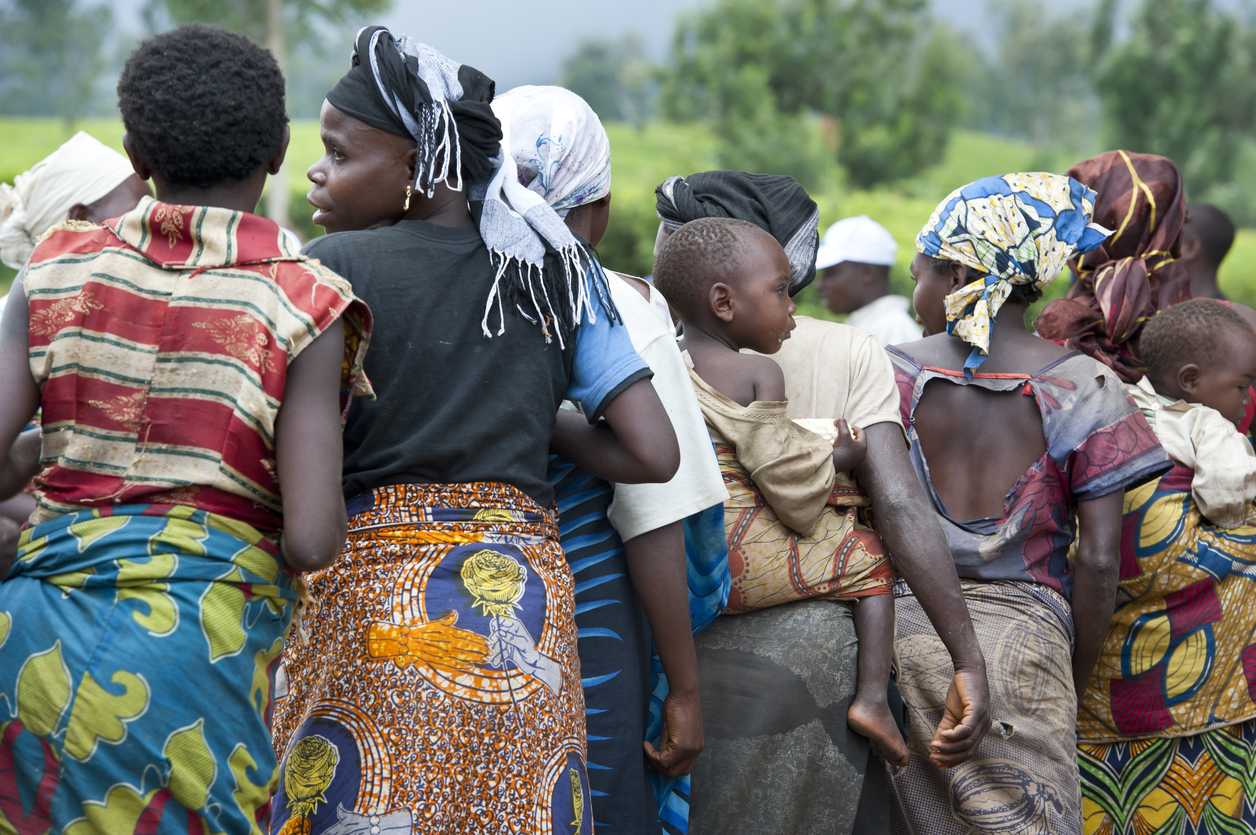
point(1201, 363)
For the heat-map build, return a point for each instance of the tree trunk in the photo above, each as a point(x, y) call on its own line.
point(278, 193)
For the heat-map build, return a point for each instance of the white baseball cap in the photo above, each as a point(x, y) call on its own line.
point(859, 239)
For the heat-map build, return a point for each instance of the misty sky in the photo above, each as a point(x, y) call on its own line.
point(525, 43)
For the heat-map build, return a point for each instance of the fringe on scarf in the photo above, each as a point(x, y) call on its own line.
point(439, 147)
point(547, 297)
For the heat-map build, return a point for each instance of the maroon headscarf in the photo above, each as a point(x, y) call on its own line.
point(1134, 273)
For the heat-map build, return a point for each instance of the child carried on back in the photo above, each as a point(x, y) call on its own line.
point(793, 519)
point(1201, 363)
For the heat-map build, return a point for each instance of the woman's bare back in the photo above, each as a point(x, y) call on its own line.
point(978, 442)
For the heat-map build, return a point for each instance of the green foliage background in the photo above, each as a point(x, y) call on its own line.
point(644, 157)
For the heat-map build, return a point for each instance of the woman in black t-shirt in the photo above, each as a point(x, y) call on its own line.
point(440, 689)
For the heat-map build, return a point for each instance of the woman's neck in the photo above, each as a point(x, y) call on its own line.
point(1009, 325)
point(445, 207)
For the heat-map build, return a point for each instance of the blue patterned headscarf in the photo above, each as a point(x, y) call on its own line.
point(1015, 229)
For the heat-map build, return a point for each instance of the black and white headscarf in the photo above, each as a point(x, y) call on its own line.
point(410, 89)
point(775, 203)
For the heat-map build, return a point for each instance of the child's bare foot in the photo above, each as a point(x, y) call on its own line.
point(874, 720)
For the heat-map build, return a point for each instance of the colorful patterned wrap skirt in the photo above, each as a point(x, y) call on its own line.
point(138, 649)
point(771, 564)
point(1190, 785)
point(437, 687)
point(1166, 728)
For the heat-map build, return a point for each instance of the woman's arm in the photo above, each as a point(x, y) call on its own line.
point(308, 451)
point(656, 562)
point(636, 445)
point(1094, 580)
point(21, 395)
point(914, 537)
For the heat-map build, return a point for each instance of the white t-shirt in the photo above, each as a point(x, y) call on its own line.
point(698, 484)
point(887, 319)
point(836, 371)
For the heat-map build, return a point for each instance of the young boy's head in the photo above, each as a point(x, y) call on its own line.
point(1201, 351)
point(203, 107)
point(1207, 236)
point(728, 278)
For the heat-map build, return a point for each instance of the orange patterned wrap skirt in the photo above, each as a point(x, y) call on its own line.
point(434, 685)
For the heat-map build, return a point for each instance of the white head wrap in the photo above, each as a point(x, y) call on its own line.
point(560, 148)
point(81, 171)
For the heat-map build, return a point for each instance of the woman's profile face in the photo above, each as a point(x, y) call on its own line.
point(928, 299)
point(360, 181)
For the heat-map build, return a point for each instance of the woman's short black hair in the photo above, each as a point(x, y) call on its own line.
point(1020, 293)
point(202, 105)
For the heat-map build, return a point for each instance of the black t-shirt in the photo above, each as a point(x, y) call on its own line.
point(452, 405)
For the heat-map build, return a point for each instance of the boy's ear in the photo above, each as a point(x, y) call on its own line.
point(138, 163)
point(276, 160)
point(720, 297)
point(1188, 378)
point(1190, 248)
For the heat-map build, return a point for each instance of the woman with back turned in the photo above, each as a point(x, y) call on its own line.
point(439, 690)
point(188, 365)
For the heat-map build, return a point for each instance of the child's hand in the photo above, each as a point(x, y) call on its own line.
point(850, 448)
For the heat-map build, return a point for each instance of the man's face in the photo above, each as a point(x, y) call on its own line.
point(841, 287)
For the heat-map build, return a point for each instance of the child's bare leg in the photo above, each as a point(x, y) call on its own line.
point(869, 714)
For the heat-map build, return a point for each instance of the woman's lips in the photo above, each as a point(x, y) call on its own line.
point(320, 212)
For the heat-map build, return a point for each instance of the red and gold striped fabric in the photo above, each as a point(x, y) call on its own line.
point(161, 343)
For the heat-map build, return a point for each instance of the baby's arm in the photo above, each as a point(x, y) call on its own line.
point(850, 448)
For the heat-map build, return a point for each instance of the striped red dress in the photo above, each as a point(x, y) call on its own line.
point(161, 342)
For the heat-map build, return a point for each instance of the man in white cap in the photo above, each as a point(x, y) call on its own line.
point(855, 258)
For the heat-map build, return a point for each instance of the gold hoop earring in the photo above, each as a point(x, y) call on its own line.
point(406, 207)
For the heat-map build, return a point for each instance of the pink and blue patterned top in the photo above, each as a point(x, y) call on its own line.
point(1098, 442)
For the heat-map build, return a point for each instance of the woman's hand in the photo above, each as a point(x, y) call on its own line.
point(964, 722)
point(682, 739)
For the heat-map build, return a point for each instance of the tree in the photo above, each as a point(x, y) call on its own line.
point(274, 23)
point(50, 52)
point(1036, 85)
point(612, 76)
point(885, 76)
point(1180, 85)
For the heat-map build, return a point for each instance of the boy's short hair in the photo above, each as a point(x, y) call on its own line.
point(1193, 331)
point(1212, 228)
point(698, 255)
point(202, 105)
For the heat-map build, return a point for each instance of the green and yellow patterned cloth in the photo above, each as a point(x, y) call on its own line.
point(138, 649)
point(1014, 229)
